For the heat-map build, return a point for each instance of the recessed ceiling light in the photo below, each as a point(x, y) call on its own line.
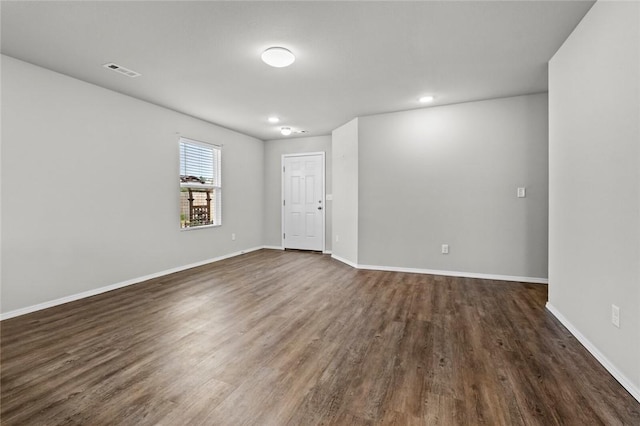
point(426, 99)
point(273, 119)
point(278, 57)
point(286, 131)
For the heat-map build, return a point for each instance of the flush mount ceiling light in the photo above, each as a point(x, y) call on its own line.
point(286, 131)
point(273, 119)
point(278, 57)
point(426, 99)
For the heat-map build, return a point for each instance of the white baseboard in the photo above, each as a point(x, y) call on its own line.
point(343, 260)
point(533, 280)
point(95, 291)
point(326, 252)
point(457, 274)
point(608, 365)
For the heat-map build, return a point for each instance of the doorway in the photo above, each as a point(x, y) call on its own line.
point(303, 203)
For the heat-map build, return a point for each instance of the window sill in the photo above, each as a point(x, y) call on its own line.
point(196, 185)
point(193, 228)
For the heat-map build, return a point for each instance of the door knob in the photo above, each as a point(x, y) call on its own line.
point(320, 208)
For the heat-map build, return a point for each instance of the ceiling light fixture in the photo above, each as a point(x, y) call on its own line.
point(278, 57)
point(286, 131)
point(273, 119)
point(426, 99)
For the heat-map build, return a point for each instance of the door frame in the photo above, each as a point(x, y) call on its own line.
point(324, 201)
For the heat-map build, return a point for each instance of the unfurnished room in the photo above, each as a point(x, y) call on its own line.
point(320, 213)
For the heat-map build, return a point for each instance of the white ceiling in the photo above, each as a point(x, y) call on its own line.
point(353, 58)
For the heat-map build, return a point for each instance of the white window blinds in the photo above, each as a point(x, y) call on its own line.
point(199, 161)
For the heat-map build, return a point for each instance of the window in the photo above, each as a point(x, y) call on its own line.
point(200, 188)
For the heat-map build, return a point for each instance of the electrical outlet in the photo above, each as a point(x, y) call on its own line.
point(445, 249)
point(233, 237)
point(337, 238)
point(522, 192)
point(615, 315)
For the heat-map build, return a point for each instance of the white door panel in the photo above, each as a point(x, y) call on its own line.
point(303, 201)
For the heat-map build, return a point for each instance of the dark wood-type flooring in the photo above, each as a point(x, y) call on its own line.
point(294, 338)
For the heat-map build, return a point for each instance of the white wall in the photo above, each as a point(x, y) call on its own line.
point(594, 205)
point(449, 175)
point(90, 188)
point(273, 151)
point(345, 192)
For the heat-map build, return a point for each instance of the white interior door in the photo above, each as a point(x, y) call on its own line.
point(303, 201)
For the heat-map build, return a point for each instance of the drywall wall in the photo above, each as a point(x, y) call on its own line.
point(344, 142)
point(449, 175)
point(90, 188)
point(594, 186)
point(273, 152)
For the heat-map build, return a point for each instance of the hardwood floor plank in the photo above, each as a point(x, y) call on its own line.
point(295, 338)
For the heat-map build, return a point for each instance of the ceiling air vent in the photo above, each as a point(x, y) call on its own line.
point(122, 70)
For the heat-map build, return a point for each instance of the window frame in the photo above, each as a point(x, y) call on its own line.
point(215, 205)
